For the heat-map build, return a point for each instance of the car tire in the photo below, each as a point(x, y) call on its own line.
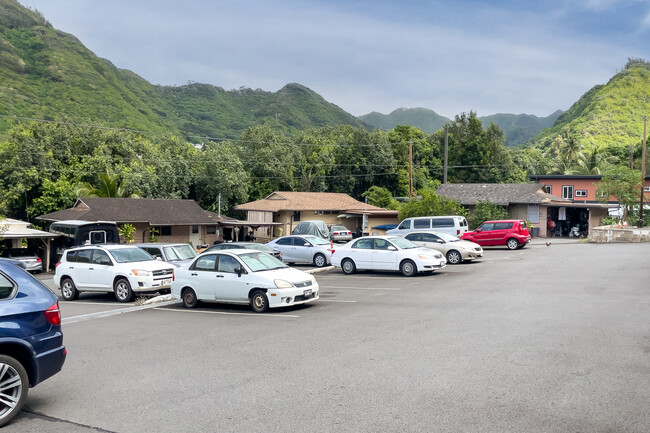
point(320, 260)
point(69, 291)
point(16, 386)
point(454, 257)
point(122, 289)
point(512, 244)
point(189, 298)
point(408, 268)
point(259, 301)
point(348, 267)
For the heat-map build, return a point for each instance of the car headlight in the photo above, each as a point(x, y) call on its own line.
point(282, 284)
point(313, 280)
point(142, 273)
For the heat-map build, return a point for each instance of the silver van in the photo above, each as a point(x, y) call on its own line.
point(451, 224)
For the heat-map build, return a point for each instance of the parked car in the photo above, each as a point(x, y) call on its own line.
point(511, 233)
point(121, 269)
point(31, 341)
point(340, 234)
point(316, 228)
point(455, 250)
point(176, 254)
point(14, 262)
point(303, 249)
point(451, 224)
point(243, 277)
point(386, 253)
point(246, 245)
point(33, 263)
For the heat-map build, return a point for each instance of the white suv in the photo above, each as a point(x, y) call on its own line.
point(121, 269)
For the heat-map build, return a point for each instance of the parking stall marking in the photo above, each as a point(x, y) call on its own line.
point(102, 314)
point(226, 313)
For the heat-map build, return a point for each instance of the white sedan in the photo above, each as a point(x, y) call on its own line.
point(454, 249)
point(386, 253)
point(243, 277)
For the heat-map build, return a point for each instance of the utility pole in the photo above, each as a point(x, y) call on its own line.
point(219, 205)
point(444, 178)
point(631, 157)
point(645, 122)
point(410, 168)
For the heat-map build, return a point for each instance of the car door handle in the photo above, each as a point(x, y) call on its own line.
point(219, 276)
point(194, 274)
point(91, 269)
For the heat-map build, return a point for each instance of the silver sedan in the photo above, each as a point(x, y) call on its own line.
point(454, 249)
point(303, 249)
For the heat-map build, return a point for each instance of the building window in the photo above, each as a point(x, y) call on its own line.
point(211, 230)
point(567, 191)
point(163, 230)
point(296, 215)
point(195, 229)
point(646, 189)
point(549, 189)
point(581, 193)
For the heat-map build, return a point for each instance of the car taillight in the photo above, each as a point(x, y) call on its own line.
point(38, 260)
point(173, 275)
point(457, 232)
point(53, 314)
point(57, 264)
point(336, 233)
point(332, 251)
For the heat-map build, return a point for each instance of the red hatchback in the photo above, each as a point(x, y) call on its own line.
point(511, 233)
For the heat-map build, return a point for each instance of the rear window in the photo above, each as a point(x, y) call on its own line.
point(21, 252)
point(71, 256)
point(443, 222)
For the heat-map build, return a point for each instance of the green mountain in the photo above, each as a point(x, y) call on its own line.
point(48, 74)
point(427, 120)
point(609, 115)
point(519, 128)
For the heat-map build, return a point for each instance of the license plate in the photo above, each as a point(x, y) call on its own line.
point(308, 292)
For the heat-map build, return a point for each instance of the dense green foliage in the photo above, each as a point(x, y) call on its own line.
point(486, 211)
point(430, 203)
point(623, 184)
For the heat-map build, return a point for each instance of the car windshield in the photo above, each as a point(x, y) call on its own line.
point(402, 243)
point(261, 262)
point(317, 241)
point(127, 255)
point(447, 237)
point(258, 247)
point(180, 252)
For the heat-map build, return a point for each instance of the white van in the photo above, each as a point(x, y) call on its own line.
point(453, 225)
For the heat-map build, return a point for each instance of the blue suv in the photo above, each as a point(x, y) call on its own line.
point(31, 342)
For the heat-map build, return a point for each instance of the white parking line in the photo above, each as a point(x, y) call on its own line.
point(394, 289)
point(100, 314)
point(227, 313)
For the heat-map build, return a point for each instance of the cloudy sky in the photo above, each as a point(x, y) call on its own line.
point(372, 55)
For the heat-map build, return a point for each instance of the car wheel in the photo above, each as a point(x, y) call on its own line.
point(408, 268)
point(348, 267)
point(69, 290)
point(320, 260)
point(189, 298)
point(259, 301)
point(454, 257)
point(13, 388)
point(122, 289)
point(512, 244)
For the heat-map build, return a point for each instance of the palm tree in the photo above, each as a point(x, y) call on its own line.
point(595, 161)
point(109, 186)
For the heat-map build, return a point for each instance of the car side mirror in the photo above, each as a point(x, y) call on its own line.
point(478, 230)
point(159, 258)
point(240, 271)
point(105, 263)
point(307, 244)
point(392, 248)
point(440, 241)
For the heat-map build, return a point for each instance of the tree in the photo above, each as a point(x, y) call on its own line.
point(486, 211)
point(108, 186)
point(432, 204)
point(126, 231)
point(621, 183)
point(381, 197)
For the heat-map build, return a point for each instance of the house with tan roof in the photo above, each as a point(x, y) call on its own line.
point(289, 208)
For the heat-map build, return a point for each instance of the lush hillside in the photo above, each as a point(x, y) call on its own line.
point(609, 115)
point(423, 118)
point(519, 128)
point(49, 74)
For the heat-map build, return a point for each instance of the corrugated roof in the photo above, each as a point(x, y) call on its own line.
point(131, 210)
point(498, 193)
point(301, 201)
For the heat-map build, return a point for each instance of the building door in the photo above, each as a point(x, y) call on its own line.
point(195, 235)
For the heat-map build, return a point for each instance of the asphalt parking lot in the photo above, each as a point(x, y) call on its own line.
point(544, 339)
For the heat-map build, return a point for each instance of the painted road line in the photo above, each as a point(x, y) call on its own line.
point(393, 289)
point(226, 313)
point(101, 314)
point(337, 300)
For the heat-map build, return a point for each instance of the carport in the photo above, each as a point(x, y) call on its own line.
point(12, 233)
